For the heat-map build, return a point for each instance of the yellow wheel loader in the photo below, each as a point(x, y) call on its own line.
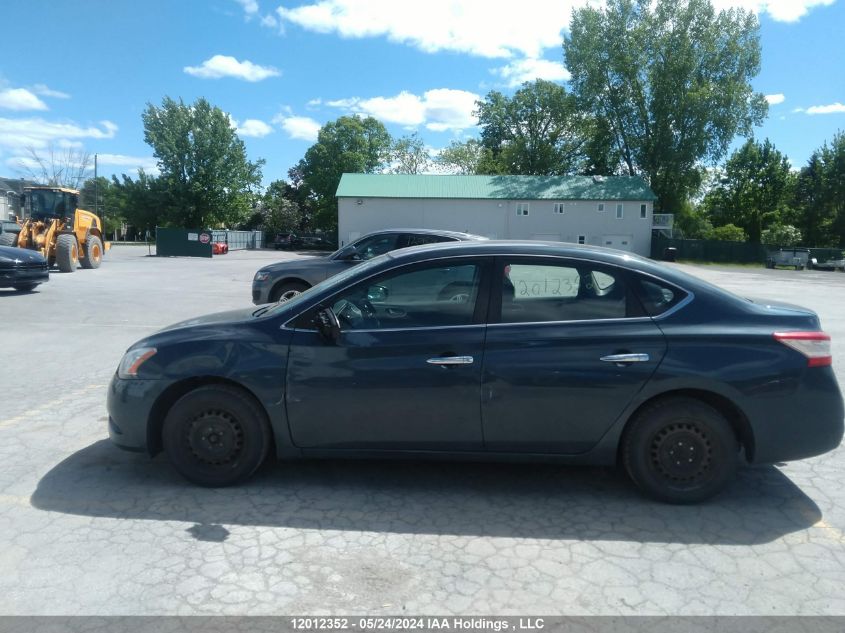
point(53, 225)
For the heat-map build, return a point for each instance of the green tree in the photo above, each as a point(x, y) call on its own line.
point(208, 179)
point(463, 158)
point(670, 81)
point(408, 155)
point(142, 203)
point(727, 233)
point(755, 189)
point(781, 235)
point(348, 145)
point(820, 195)
point(538, 131)
point(278, 212)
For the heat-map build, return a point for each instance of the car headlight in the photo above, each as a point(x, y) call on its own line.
point(261, 276)
point(132, 361)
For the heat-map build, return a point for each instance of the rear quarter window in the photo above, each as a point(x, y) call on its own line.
point(658, 296)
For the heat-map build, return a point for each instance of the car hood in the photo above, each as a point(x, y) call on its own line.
point(229, 316)
point(10, 253)
point(314, 263)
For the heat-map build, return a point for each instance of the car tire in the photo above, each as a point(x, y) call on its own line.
point(93, 252)
point(67, 253)
point(8, 239)
point(25, 287)
point(680, 450)
point(216, 435)
point(287, 290)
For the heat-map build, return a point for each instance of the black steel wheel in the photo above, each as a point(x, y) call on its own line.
point(216, 435)
point(680, 450)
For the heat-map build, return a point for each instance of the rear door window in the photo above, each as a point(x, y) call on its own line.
point(544, 291)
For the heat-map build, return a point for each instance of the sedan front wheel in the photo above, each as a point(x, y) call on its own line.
point(216, 435)
point(680, 450)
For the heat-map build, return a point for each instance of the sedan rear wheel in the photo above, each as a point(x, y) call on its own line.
point(216, 435)
point(680, 450)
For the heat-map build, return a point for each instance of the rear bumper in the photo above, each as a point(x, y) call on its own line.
point(129, 404)
point(808, 422)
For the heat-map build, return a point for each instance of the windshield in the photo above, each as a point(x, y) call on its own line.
point(45, 203)
point(338, 280)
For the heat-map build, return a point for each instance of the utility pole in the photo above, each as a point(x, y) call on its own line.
point(97, 198)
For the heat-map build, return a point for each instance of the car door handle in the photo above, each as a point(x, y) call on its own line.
point(450, 360)
point(622, 359)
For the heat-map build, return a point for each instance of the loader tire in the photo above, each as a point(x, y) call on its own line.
point(67, 253)
point(8, 239)
point(93, 252)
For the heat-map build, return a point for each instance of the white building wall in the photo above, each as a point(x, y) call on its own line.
point(498, 219)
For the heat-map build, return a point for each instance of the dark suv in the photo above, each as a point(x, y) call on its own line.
point(287, 279)
point(287, 240)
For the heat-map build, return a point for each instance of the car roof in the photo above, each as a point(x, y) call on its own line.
point(533, 248)
point(456, 234)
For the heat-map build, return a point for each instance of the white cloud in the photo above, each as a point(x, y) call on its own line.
point(270, 21)
point(226, 66)
point(147, 163)
point(832, 108)
point(20, 99)
point(439, 110)
point(253, 128)
point(39, 133)
point(299, 127)
point(250, 7)
point(46, 91)
point(478, 27)
point(775, 98)
point(779, 10)
point(518, 72)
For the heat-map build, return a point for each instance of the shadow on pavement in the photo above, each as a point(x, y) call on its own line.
point(511, 500)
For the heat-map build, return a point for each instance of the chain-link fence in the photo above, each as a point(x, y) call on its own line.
point(239, 240)
point(726, 252)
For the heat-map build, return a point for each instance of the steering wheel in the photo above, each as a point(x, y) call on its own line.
point(349, 313)
point(357, 313)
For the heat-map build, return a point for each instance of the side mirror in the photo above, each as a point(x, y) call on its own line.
point(328, 325)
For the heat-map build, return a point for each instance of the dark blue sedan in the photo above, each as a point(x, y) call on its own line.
point(490, 350)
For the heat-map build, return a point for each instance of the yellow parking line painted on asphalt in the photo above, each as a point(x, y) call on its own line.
point(48, 405)
point(13, 500)
point(833, 531)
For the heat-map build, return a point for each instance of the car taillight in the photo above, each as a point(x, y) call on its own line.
point(814, 345)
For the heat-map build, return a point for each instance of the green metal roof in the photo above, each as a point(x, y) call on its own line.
point(494, 187)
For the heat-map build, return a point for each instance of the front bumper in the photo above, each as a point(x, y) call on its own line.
point(129, 404)
point(260, 293)
point(21, 276)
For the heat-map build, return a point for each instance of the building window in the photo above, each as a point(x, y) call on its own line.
point(582, 239)
point(643, 211)
point(559, 208)
point(601, 207)
point(619, 212)
point(522, 208)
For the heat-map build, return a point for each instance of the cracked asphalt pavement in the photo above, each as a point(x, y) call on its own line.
point(88, 529)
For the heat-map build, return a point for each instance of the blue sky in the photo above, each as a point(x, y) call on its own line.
point(79, 73)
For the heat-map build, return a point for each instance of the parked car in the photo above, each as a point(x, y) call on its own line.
point(286, 241)
point(799, 258)
point(22, 269)
point(283, 280)
point(490, 350)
